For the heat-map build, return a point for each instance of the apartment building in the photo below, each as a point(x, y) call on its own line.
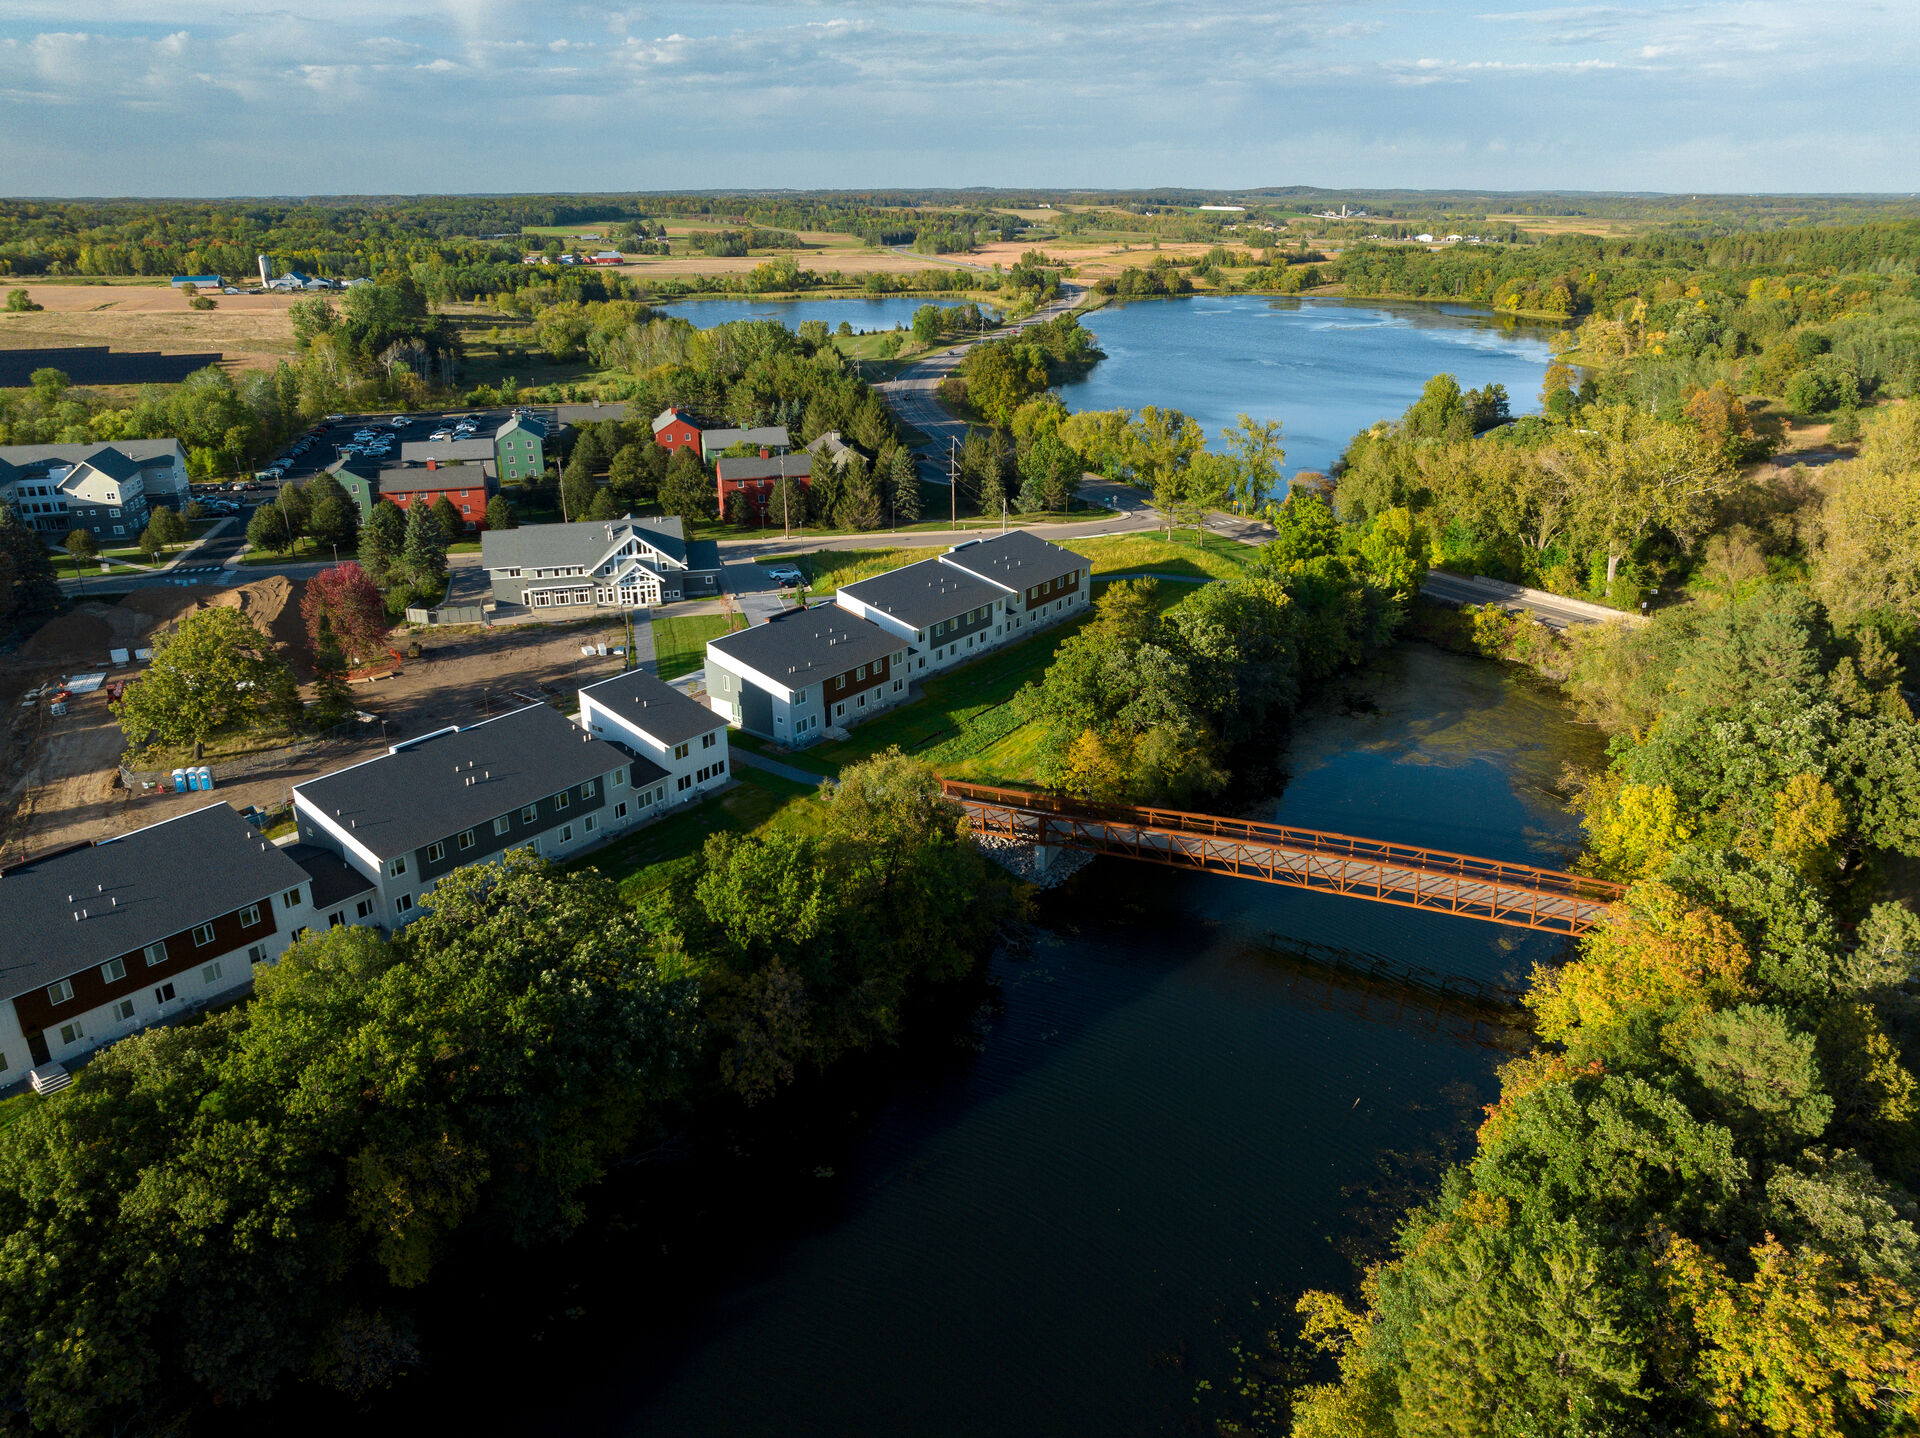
point(616, 563)
point(532, 779)
point(948, 614)
point(804, 671)
point(659, 723)
point(110, 937)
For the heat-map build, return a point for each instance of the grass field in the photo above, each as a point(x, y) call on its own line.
point(1214, 558)
point(680, 644)
point(647, 861)
point(250, 331)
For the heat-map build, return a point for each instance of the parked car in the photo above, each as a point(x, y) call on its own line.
point(785, 575)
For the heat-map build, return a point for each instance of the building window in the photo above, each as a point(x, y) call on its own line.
point(363, 908)
point(163, 994)
point(707, 741)
point(123, 1011)
point(660, 794)
point(586, 790)
point(566, 833)
point(591, 822)
point(619, 779)
point(290, 899)
point(436, 851)
point(502, 824)
point(466, 839)
point(257, 954)
point(680, 751)
point(397, 867)
point(202, 936)
point(210, 973)
point(155, 953)
point(620, 811)
point(60, 991)
point(113, 970)
point(685, 782)
point(249, 916)
point(861, 672)
point(71, 1033)
point(402, 904)
point(562, 799)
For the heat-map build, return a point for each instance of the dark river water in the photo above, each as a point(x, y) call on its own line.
point(1326, 369)
point(1168, 1114)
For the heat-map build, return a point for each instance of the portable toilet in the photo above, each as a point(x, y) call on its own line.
point(205, 776)
point(179, 778)
point(193, 778)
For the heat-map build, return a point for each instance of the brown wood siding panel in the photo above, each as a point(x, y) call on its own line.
point(841, 685)
point(1054, 589)
point(37, 1012)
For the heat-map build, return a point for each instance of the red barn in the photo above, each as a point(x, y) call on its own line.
point(755, 478)
point(672, 430)
point(467, 487)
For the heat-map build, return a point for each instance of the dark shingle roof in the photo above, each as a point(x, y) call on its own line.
point(419, 451)
point(743, 467)
point(768, 436)
point(420, 792)
point(446, 476)
point(548, 546)
point(1017, 559)
point(133, 889)
point(804, 646)
point(113, 464)
point(925, 593)
point(653, 707)
point(334, 879)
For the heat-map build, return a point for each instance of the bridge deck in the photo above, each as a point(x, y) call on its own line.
point(1437, 880)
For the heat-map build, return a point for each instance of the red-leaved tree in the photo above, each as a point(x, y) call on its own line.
point(344, 600)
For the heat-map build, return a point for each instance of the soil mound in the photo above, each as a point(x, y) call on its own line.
point(82, 636)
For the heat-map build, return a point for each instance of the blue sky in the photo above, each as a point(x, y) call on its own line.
point(378, 96)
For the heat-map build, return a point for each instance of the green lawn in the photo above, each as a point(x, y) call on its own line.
point(1214, 558)
point(648, 860)
point(680, 644)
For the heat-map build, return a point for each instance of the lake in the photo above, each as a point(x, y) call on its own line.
point(1325, 368)
point(1168, 1114)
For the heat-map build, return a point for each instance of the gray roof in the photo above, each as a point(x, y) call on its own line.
point(834, 447)
point(548, 546)
point(40, 456)
point(418, 792)
point(656, 709)
point(804, 646)
point(133, 889)
point(532, 424)
point(1016, 559)
point(113, 464)
point(923, 594)
point(334, 879)
point(590, 413)
point(419, 451)
point(794, 466)
point(767, 436)
point(446, 476)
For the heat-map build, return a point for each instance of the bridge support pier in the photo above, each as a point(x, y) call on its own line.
point(1044, 855)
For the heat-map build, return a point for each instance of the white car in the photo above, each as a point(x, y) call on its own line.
point(785, 575)
point(398, 421)
point(440, 434)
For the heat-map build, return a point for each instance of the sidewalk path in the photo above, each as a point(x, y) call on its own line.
point(743, 755)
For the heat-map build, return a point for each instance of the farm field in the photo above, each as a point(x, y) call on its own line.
point(251, 331)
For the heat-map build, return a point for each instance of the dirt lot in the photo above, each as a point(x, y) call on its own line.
point(68, 789)
point(251, 331)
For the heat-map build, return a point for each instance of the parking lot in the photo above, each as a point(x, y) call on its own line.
point(324, 442)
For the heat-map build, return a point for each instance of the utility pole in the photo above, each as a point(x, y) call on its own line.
point(953, 478)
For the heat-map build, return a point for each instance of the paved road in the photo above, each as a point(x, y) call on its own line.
point(913, 393)
point(1553, 610)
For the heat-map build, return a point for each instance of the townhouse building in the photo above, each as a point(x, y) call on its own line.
point(58, 488)
point(467, 487)
point(804, 671)
point(110, 937)
point(532, 779)
point(756, 478)
point(947, 614)
point(617, 563)
point(520, 448)
point(660, 724)
point(1049, 583)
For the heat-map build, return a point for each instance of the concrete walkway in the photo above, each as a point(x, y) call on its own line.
point(1555, 611)
point(744, 755)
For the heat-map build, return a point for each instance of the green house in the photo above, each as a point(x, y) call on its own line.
point(520, 449)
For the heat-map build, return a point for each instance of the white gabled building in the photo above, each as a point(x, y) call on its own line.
point(617, 563)
point(804, 671)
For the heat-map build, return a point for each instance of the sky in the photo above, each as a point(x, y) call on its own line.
point(301, 97)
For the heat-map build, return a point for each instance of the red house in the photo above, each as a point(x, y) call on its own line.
point(673, 430)
point(756, 478)
point(467, 487)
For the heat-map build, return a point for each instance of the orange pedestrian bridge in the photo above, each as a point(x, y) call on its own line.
point(1436, 880)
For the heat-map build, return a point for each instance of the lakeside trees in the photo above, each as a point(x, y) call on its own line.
point(1692, 1209)
point(216, 1211)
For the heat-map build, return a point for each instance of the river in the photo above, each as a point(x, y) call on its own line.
point(1325, 368)
point(1056, 1218)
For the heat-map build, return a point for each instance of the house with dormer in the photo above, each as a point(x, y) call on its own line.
point(622, 563)
point(56, 488)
